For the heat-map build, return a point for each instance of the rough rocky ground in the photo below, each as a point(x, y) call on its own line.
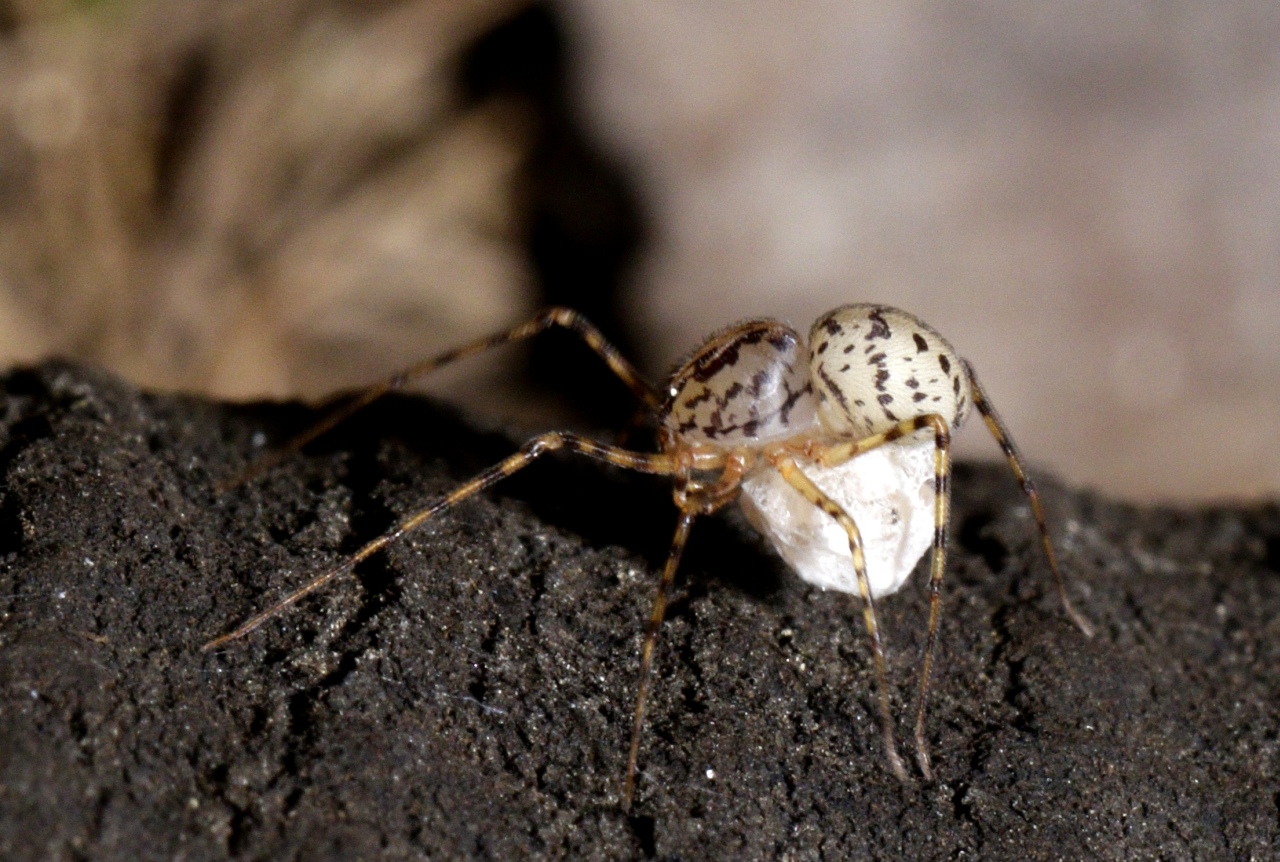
point(468, 694)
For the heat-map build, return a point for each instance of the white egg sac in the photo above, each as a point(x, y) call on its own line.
point(889, 493)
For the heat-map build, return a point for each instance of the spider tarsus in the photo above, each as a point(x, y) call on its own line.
point(1083, 624)
point(223, 640)
point(216, 643)
point(1086, 627)
point(895, 762)
point(628, 791)
point(922, 760)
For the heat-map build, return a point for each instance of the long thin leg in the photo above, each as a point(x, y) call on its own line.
point(835, 454)
point(526, 455)
point(941, 520)
point(841, 452)
point(544, 320)
point(650, 641)
point(692, 502)
point(1001, 433)
point(811, 492)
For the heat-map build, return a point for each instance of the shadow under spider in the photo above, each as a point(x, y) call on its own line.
point(601, 504)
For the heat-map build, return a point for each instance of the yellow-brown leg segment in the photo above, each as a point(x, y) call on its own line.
point(562, 317)
point(1001, 433)
point(941, 522)
point(650, 641)
point(692, 501)
point(811, 492)
point(841, 452)
point(527, 454)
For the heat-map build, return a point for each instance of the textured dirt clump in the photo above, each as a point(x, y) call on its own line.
point(468, 695)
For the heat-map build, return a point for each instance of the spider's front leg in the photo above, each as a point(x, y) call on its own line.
point(565, 318)
point(660, 464)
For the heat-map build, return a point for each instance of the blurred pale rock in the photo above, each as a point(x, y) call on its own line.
point(284, 198)
point(1084, 198)
point(254, 199)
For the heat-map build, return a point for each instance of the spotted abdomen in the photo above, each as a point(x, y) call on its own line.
point(748, 384)
point(874, 366)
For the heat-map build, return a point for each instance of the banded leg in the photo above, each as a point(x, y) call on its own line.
point(692, 502)
point(811, 492)
point(526, 455)
point(544, 320)
point(650, 641)
point(1001, 433)
point(841, 452)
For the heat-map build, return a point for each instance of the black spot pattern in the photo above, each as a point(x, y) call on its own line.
point(892, 384)
point(879, 326)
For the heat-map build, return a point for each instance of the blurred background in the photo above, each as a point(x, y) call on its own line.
point(283, 198)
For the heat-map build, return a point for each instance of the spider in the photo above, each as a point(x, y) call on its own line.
point(757, 402)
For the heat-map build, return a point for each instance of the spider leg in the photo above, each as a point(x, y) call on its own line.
point(650, 641)
point(811, 492)
point(835, 454)
point(838, 453)
point(692, 502)
point(1001, 433)
point(526, 455)
point(544, 320)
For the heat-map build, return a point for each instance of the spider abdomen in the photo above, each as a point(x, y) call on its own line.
point(874, 366)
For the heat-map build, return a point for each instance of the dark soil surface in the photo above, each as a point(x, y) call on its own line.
point(469, 693)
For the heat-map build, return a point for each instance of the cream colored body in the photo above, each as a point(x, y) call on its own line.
point(866, 368)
